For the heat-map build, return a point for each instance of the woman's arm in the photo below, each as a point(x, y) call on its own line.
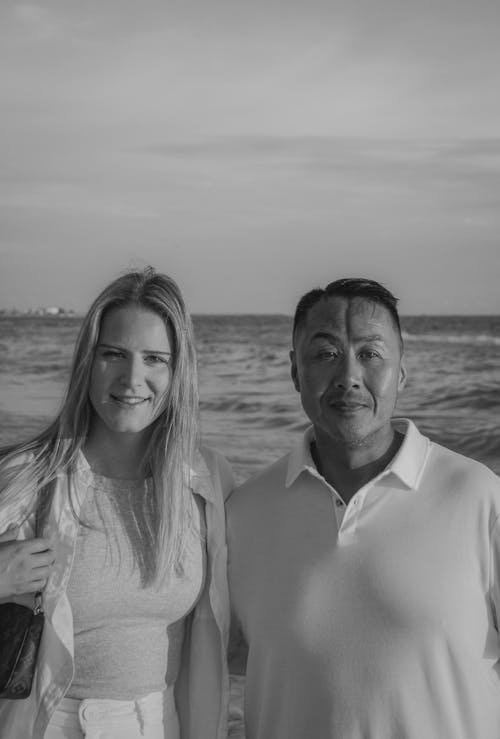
point(24, 565)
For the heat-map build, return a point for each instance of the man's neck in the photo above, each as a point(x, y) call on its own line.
point(349, 468)
point(118, 455)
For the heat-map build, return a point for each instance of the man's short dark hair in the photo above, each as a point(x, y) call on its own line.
point(349, 287)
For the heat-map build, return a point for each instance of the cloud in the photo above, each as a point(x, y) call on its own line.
point(37, 20)
point(251, 129)
point(323, 152)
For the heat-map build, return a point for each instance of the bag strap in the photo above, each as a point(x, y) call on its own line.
point(38, 608)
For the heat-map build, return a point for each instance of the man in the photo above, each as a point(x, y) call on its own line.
point(365, 564)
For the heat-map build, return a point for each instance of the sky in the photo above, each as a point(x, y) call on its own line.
point(252, 150)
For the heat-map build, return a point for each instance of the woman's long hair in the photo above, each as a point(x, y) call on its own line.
point(163, 514)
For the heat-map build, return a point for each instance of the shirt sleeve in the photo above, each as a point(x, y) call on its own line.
point(494, 589)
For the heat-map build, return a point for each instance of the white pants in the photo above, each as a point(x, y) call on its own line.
point(150, 717)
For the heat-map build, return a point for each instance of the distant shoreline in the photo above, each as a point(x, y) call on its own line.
point(63, 313)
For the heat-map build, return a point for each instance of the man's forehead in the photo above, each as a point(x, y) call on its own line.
point(336, 314)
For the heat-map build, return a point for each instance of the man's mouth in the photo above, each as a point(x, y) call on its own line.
point(346, 406)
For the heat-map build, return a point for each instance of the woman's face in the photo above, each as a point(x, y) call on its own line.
point(131, 371)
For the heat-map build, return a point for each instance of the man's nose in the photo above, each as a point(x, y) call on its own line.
point(347, 373)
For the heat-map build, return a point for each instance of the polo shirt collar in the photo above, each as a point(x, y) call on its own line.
point(408, 464)
point(300, 457)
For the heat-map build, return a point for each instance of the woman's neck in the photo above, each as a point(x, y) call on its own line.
point(118, 455)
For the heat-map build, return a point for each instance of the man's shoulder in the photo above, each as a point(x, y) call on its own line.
point(439, 460)
point(461, 471)
point(261, 486)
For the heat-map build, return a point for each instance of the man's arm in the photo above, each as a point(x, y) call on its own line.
point(494, 564)
point(237, 647)
point(237, 662)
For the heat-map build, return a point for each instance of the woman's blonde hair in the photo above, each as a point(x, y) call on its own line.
point(164, 516)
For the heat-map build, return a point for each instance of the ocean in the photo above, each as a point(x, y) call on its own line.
point(249, 409)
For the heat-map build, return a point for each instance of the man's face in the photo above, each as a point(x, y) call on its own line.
point(347, 367)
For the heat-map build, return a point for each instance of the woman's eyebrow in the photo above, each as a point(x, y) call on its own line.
point(156, 351)
point(124, 349)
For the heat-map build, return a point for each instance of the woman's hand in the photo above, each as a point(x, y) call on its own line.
point(25, 565)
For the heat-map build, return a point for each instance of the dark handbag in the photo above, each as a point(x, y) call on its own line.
point(20, 634)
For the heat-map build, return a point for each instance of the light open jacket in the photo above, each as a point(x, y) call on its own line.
point(202, 687)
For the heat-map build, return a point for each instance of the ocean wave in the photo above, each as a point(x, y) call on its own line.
point(58, 370)
point(437, 338)
point(244, 405)
point(461, 397)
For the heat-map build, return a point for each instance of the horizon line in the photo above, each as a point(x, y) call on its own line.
point(73, 313)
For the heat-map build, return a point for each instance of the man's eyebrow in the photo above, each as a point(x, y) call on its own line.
point(357, 339)
point(324, 335)
point(370, 337)
point(143, 351)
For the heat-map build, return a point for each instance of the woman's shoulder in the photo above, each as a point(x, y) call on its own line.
point(12, 464)
point(218, 468)
point(16, 498)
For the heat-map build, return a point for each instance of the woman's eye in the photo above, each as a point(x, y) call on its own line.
point(112, 354)
point(156, 359)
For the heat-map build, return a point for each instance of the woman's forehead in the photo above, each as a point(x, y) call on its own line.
point(135, 325)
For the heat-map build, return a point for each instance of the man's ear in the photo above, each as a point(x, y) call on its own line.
point(293, 371)
point(402, 376)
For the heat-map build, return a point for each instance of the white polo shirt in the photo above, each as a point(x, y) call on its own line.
point(376, 620)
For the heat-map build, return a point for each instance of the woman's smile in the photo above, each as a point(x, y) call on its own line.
point(128, 401)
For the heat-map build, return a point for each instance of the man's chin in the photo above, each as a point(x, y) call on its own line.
point(347, 435)
point(351, 441)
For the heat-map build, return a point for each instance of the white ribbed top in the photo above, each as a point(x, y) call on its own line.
point(127, 638)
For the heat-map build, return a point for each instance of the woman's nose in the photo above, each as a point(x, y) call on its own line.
point(132, 372)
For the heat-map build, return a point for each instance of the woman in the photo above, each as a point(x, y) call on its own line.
point(136, 602)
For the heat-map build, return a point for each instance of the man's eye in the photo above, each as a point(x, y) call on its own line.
point(326, 354)
point(369, 354)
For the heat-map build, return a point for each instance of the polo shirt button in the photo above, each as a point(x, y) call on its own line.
point(339, 503)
